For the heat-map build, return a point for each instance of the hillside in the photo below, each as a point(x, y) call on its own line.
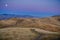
point(27, 34)
point(51, 23)
point(30, 28)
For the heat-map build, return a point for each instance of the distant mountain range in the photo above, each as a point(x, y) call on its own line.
point(7, 16)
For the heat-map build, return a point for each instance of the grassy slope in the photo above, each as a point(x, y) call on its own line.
point(48, 24)
point(17, 34)
point(24, 34)
point(51, 24)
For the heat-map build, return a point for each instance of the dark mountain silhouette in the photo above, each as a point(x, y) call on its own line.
point(8, 16)
point(56, 16)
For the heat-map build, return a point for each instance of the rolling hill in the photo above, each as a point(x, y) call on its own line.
point(17, 33)
point(51, 23)
point(23, 28)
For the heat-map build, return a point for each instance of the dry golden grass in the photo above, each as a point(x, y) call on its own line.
point(17, 34)
point(25, 34)
point(51, 24)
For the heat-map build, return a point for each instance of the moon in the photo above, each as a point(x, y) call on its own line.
point(6, 5)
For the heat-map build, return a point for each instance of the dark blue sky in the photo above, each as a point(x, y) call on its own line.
point(40, 8)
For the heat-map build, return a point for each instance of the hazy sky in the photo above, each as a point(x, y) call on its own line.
point(30, 7)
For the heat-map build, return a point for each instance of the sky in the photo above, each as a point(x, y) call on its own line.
point(40, 8)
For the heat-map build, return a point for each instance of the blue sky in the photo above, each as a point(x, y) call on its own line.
point(40, 8)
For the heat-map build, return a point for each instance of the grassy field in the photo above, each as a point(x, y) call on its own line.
point(25, 34)
point(50, 24)
point(17, 34)
point(22, 29)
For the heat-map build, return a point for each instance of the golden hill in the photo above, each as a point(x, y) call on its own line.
point(17, 33)
point(51, 23)
point(22, 29)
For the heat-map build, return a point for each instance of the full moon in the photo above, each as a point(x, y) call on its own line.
point(6, 5)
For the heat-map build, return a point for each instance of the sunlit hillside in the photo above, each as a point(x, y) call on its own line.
point(51, 23)
point(30, 28)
